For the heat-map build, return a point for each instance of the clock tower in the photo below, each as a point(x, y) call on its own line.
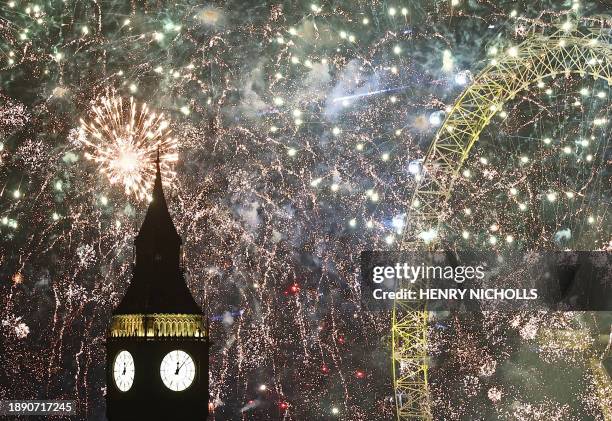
point(157, 343)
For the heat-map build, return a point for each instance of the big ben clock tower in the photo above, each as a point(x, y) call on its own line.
point(157, 344)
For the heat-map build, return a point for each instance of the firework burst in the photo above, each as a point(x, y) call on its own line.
point(123, 139)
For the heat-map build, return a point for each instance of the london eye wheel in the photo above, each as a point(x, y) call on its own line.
point(520, 162)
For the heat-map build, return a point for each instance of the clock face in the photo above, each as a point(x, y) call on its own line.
point(123, 371)
point(177, 370)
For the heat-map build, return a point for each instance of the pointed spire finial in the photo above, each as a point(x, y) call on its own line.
point(158, 194)
point(157, 218)
point(157, 163)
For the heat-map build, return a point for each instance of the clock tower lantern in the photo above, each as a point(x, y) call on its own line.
point(157, 343)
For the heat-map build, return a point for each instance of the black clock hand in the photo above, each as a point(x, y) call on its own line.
point(124, 368)
point(186, 359)
point(177, 369)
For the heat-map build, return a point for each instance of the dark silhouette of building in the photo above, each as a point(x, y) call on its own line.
point(157, 343)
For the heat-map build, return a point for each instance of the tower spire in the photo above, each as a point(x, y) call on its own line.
point(158, 283)
point(158, 171)
point(157, 224)
point(158, 191)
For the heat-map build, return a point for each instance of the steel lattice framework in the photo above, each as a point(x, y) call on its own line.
point(563, 53)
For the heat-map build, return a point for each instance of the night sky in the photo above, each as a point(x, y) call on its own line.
point(291, 137)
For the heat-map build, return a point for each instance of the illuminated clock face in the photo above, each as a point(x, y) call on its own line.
point(123, 371)
point(177, 370)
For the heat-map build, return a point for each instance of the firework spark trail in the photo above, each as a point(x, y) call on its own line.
point(366, 94)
